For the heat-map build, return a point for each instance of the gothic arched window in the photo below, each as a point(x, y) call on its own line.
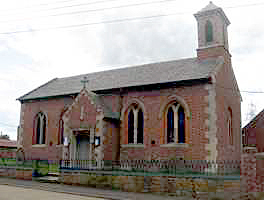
point(229, 127)
point(41, 128)
point(131, 127)
point(175, 118)
point(61, 131)
point(135, 125)
point(209, 31)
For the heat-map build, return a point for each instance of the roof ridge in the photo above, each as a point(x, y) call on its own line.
point(20, 98)
point(128, 67)
point(145, 74)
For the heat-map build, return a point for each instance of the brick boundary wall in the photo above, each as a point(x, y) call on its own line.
point(252, 170)
point(248, 170)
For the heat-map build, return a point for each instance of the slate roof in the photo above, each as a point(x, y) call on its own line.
point(252, 123)
point(163, 72)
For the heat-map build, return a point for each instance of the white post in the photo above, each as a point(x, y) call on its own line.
point(91, 141)
point(41, 119)
point(175, 113)
point(135, 125)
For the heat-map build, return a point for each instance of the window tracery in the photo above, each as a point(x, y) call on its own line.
point(175, 119)
point(135, 125)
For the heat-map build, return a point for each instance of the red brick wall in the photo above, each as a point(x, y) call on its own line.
point(250, 181)
point(154, 102)
point(212, 52)
point(53, 109)
point(227, 98)
point(111, 141)
point(89, 113)
point(7, 153)
point(253, 132)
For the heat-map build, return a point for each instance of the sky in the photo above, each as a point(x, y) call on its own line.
point(44, 39)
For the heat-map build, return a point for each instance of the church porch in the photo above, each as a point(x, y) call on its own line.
point(82, 152)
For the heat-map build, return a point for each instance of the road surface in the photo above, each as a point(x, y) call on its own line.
point(14, 193)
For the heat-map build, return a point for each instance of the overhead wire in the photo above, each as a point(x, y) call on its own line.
point(120, 20)
point(130, 19)
point(111, 21)
point(36, 5)
point(107, 8)
point(67, 6)
point(246, 5)
point(88, 24)
point(90, 10)
point(243, 91)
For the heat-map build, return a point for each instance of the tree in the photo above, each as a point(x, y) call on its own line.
point(252, 111)
point(4, 136)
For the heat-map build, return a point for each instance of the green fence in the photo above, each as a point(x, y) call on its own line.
point(133, 168)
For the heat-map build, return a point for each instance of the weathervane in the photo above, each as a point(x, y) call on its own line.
point(84, 81)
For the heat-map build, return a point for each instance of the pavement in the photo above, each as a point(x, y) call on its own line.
point(12, 189)
point(80, 191)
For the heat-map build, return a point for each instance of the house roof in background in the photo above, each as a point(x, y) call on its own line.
point(7, 143)
point(252, 123)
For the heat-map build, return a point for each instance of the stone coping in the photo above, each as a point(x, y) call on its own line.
point(178, 145)
point(39, 145)
point(133, 145)
point(260, 156)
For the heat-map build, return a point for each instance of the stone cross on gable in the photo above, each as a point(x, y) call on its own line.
point(84, 81)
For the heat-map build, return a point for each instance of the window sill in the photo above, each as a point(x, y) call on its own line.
point(39, 145)
point(260, 156)
point(133, 145)
point(180, 145)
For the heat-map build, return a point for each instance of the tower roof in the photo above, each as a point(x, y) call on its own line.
point(212, 8)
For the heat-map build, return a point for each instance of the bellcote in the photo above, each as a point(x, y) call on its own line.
point(212, 28)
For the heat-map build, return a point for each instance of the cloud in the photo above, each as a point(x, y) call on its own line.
point(31, 59)
point(146, 41)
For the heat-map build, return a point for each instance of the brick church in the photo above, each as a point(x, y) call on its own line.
point(180, 109)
